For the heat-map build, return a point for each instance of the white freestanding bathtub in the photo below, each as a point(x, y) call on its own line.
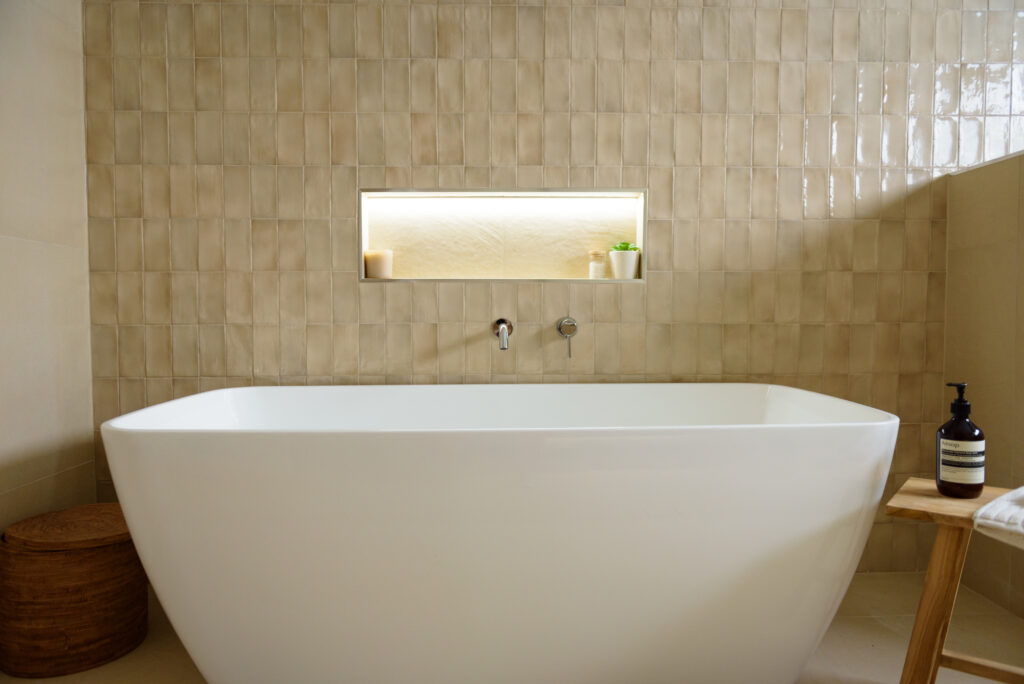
point(501, 534)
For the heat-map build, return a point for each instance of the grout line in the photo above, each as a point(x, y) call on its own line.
point(50, 476)
point(48, 243)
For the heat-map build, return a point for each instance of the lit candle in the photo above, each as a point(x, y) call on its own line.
point(378, 262)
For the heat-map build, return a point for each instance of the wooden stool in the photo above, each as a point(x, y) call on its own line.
point(73, 594)
point(919, 499)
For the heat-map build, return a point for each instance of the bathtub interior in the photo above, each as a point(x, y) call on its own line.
point(496, 407)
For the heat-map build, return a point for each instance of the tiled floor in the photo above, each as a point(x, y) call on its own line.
point(865, 644)
point(868, 638)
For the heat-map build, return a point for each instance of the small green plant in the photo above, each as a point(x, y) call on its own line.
point(625, 247)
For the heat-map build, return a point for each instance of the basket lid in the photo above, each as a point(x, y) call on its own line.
point(81, 527)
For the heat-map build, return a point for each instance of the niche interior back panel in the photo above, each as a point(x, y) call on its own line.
point(499, 235)
point(793, 156)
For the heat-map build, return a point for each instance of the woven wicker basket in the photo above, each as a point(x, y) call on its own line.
point(73, 594)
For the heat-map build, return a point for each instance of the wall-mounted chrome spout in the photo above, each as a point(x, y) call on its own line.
point(502, 329)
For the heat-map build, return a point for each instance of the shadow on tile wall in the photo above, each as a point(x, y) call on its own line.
point(983, 342)
point(794, 159)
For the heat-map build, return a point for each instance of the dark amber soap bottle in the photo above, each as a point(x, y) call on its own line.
point(960, 451)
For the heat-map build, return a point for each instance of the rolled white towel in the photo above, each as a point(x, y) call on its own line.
point(1003, 518)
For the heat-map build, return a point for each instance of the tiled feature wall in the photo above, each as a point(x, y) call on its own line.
point(985, 344)
point(46, 445)
point(792, 153)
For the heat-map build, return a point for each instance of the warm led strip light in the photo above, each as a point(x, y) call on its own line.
point(498, 234)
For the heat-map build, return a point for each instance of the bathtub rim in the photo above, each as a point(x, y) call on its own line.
point(118, 423)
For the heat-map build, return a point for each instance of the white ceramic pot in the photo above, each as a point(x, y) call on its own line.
point(623, 263)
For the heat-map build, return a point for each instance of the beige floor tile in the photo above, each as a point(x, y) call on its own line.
point(863, 650)
point(867, 641)
point(897, 593)
point(998, 637)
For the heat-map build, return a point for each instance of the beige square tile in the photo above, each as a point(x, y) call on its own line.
point(289, 85)
point(96, 29)
point(423, 31)
point(99, 80)
point(316, 93)
point(207, 30)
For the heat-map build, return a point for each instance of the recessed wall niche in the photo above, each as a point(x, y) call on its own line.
point(489, 234)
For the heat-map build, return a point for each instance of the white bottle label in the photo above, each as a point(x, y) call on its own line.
point(962, 462)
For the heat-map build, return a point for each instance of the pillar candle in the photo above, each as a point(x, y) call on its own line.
point(378, 263)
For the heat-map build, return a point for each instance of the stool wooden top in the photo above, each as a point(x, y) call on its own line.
point(919, 499)
point(81, 527)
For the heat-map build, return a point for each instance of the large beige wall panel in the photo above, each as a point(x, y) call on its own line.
point(46, 459)
point(983, 326)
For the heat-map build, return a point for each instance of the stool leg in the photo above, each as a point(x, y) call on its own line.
point(940, 586)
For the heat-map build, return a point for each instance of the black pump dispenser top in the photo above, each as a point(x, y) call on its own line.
point(960, 407)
